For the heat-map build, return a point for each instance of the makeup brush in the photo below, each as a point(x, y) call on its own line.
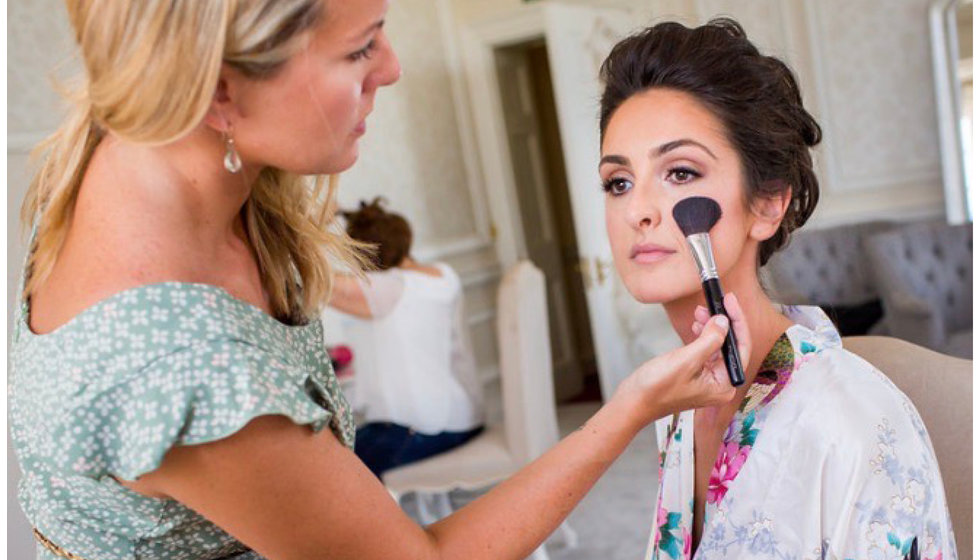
point(696, 216)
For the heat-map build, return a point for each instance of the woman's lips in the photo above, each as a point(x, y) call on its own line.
point(361, 127)
point(650, 253)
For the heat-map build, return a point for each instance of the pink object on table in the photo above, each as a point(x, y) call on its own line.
point(341, 357)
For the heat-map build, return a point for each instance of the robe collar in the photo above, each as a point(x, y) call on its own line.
point(812, 331)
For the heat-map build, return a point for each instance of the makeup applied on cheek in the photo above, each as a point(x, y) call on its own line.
point(696, 216)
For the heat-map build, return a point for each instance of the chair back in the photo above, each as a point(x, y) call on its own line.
point(941, 388)
point(527, 387)
point(825, 266)
point(929, 261)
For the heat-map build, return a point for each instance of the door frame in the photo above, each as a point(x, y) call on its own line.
point(478, 40)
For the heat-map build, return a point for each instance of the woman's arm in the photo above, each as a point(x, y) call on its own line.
point(292, 494)
point(348, 297)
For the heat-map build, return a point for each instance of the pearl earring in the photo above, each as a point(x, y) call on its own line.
point(233, 163)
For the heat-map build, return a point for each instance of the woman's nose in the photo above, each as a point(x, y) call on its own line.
point(642, 209)
point(389, 69)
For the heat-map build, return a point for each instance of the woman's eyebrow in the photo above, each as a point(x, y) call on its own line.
point(618, 160)
point(371, 29)
point(674, 144)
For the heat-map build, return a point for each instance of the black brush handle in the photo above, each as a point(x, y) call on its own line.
point(729, 350)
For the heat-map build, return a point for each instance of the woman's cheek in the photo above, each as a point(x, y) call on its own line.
point(727, 244)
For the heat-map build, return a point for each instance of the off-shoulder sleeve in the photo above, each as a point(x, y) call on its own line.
point(196, 395)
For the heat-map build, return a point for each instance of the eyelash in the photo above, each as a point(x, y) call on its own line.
point(687, 170)
point(609, 185)
point(365, 52)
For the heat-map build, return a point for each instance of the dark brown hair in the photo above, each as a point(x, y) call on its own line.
point(388, 232)
point(755, 96)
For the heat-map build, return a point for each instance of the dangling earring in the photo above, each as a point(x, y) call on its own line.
point(233, 163)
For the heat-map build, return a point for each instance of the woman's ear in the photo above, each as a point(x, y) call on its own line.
point(222, 104)
point(768, 212)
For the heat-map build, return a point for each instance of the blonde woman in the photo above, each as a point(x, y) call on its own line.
point(170, 394)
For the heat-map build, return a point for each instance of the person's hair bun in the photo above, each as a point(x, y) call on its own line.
point(387, 231)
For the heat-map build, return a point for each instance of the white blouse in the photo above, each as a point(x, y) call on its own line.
point(825, 459)
point(413, 360)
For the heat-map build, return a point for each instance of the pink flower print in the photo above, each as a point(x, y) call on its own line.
point(729, 463)
point(661, 520)
point(801, 360)
point(687, 543)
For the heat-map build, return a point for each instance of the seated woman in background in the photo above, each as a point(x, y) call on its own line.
point(416, 376)
point(818, 455)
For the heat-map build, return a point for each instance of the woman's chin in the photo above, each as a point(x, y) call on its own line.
point(329, 164)
point(342, 162)
point(648, 292)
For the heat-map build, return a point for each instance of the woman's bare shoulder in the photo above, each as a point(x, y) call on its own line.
point(434, 270)
point(97, 260)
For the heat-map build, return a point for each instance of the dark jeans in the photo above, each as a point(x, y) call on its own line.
point(385, 445)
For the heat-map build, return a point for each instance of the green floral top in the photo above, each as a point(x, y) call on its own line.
point(107, 394)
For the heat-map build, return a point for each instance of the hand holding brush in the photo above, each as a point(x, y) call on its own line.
point(696, 216)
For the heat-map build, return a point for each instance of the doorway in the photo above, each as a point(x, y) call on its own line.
point(534, 144)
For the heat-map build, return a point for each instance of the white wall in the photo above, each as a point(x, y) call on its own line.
point(870, 89)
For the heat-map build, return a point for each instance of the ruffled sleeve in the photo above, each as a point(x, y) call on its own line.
point(199, 394)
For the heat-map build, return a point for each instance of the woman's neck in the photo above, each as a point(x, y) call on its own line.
point(765, 323)
point(209, 194)
point(184, 182)
point(147, 214)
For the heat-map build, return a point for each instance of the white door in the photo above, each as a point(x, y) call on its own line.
point(578, 39)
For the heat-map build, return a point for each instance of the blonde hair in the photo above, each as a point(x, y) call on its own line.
point(152, 67)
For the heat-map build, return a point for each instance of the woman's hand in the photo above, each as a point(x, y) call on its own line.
point(692, 376)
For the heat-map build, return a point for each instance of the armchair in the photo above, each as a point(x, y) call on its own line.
point(925, 276)
point(941, 388)
point(828, 267)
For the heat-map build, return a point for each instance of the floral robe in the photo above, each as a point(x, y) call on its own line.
point(825, 458)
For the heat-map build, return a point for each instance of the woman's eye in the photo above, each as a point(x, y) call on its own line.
point(363, 53)
point(617, 186)
point(681, 175)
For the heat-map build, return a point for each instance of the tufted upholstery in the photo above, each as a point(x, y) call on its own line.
point(825, 266)
point(925, 275)
point(828, 267)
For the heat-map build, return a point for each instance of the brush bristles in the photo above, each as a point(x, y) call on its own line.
point(697, 214)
